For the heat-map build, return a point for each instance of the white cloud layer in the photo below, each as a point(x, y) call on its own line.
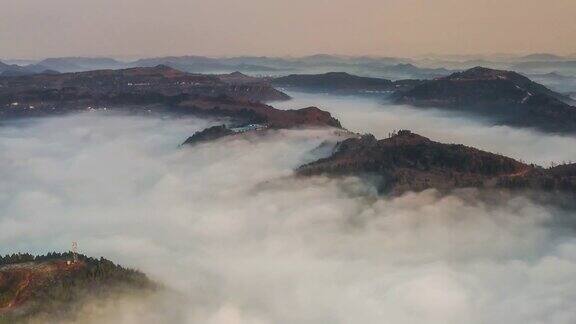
point(240, 241)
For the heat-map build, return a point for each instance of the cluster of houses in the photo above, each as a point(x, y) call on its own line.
point(250, 127)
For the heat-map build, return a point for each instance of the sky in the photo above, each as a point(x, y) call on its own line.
point(40, 28)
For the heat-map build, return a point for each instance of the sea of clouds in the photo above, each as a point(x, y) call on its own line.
point(237, 240)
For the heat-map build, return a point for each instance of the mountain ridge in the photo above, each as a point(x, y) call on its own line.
point(160, 88)
point(410, 162)
point(505, 96)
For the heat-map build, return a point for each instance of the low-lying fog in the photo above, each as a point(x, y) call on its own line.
point(372, 115)
point(239, 241)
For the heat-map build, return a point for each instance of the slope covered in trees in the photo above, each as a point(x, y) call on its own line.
point(55, 285)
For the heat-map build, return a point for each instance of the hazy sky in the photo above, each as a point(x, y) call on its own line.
point(40, 28)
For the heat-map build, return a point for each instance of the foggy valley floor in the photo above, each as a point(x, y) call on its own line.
point(238, 240)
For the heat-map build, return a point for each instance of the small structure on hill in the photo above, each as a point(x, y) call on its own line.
point(74, 254)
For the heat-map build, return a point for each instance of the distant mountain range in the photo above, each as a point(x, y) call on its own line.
point(200, 64)
point(17, 70)
point(79, 64)
point(386, 67)
point(543, 57)
point(393, 67)
point(60, 65)
point(567, 66)
point(334, 82)
point(505, 97)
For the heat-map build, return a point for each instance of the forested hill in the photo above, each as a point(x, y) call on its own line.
point(52, 286)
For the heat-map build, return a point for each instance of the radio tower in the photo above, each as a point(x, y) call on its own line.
point(74, 252)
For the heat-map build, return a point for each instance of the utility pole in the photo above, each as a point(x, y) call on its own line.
point(74, 252)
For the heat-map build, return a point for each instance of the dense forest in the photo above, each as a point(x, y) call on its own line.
point(54, 285)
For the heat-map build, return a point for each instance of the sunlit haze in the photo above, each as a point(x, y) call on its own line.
point(39, 28)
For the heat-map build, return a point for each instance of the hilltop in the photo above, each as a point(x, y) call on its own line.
point(410, 162)
point(53, 285)
point(505, 97)
point(334, 82)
